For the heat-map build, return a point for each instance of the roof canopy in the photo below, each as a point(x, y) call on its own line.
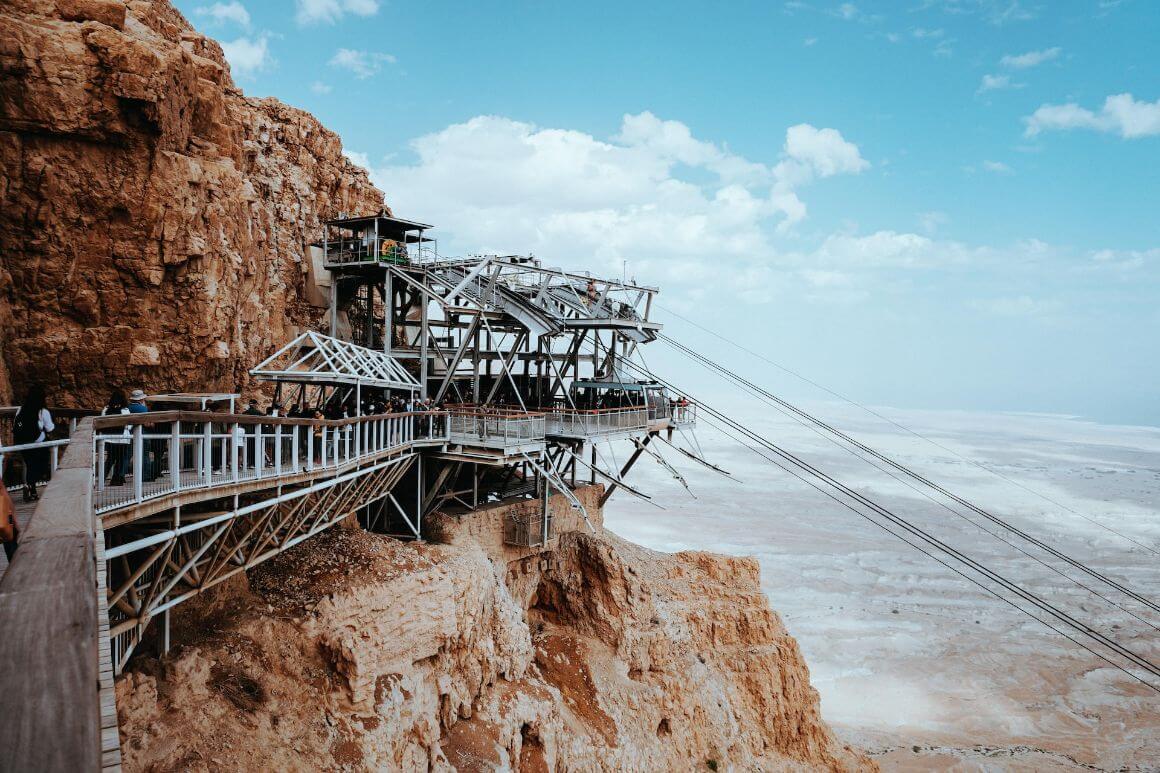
point(626, 386)
point(314, 358)
point(388, 227)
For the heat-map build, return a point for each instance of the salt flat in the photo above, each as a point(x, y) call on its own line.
point(905, 653)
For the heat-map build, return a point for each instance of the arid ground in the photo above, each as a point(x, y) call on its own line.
point(912, 662)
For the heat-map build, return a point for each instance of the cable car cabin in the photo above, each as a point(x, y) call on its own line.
point(376, 240)
point(601, 409)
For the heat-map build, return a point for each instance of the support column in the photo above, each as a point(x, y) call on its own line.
point(423, 332)
point(544, 521)
point(389, 312)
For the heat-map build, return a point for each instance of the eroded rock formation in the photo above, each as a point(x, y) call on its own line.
point(153, 219)
point(359, 652)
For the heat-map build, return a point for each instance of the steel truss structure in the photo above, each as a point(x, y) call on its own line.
point(506, 341)
point(525, 365)
point(159, 561)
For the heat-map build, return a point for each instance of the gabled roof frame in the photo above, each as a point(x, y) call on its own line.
point(314, 358)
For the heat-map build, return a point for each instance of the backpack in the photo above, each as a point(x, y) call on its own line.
point(25, 428)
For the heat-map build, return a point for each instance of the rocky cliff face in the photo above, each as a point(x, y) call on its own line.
point(357, 652)
point(153, 219)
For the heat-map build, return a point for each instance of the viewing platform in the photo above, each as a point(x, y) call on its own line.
point(602, 423)
point(495, 433)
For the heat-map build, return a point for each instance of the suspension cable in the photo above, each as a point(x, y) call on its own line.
point(926, 537)
point(709, 365)
point(934, 557)
point(908, 430)
point(769, 396)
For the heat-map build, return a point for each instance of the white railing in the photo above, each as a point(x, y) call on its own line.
point(607, 421)
point(684, 414)
point(66, 421)
point(150, 455)
point(495, 427)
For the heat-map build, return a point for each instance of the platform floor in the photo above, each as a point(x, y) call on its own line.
point(24, 512)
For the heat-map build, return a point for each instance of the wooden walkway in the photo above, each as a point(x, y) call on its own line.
point(24, 512)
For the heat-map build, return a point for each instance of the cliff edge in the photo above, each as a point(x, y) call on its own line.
point(354, 651)
point(153, 219)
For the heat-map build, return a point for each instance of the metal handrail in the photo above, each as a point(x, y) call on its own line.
point(510, 427)
point(198, 450)
point(600, 421)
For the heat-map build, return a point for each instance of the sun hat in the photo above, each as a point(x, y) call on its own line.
point(137, 396)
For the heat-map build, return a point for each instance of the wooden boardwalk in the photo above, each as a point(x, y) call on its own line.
point(24, 512)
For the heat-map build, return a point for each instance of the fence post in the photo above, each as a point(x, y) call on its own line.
point(235, 448)
point(175, 454)
point(98, 446)
point(259, 450)
point(277, 449)
point(138, 461)
point(207, 451)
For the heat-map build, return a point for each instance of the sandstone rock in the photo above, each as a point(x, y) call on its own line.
point(142, 188)
point(361, 652)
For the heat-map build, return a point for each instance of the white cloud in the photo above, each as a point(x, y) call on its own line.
point(1016, 306)
point(881, 249)
point(997, 166)
point(822, 151)
point(653, 193)
point(318, 87)
point(847, 11)
point(226, 12)
point(330, 11)
point(1121, 114)
point(809, 42)
point(361, 159)
point(1031, 58)
point(933, 220)
point(1124, 260)
point(997, 83)
point(922, 33)
point(248, 55)
point(363, 64)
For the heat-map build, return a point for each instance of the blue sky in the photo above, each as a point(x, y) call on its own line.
point(939, 203)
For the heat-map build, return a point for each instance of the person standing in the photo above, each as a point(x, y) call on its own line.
point(33, 424)
point(148, 463)
point(117, 440)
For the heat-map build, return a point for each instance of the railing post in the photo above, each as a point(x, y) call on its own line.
point(175, 454)
point(294, 438)
point(207, 451)
point(277, 449)
point(100, 450)
point(138, 461)
point(259, 450)
point(236, 440)
point(323, 448)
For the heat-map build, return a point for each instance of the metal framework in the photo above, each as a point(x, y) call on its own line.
point(321, 359)
point(525, 364)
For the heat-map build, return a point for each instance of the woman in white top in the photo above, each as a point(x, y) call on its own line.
point(33, 424)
